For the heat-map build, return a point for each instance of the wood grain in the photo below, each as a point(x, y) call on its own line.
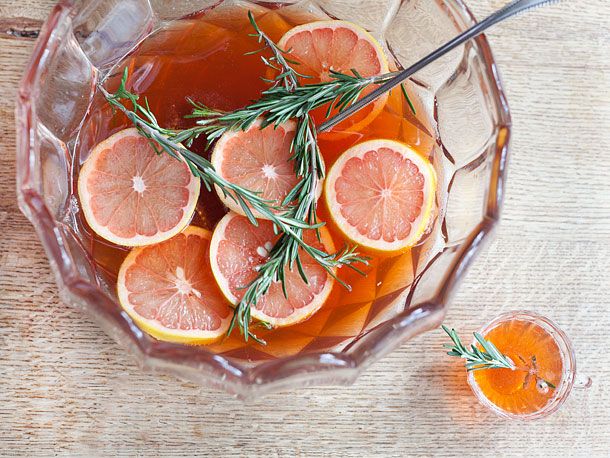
point(67, 389)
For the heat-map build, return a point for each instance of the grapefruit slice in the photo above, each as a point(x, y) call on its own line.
point(238, 248)
point(322, 46)
point(169, 290)
point(132, 196)
point(259, 160)
point(380, 194)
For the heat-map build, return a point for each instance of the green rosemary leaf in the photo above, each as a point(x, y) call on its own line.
point(408, 99)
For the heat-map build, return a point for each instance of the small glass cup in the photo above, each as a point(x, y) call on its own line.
point(569, 378)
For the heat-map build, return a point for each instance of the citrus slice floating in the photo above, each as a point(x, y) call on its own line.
point(258, 160)
point(238, 248)
point(380, 194)
point(322, 46)
point(132, 196)
point(169, 290)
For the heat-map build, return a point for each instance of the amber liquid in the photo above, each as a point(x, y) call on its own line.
point(204, 58)
point(537, 357)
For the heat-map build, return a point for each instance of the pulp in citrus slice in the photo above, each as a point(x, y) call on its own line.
point(238, 248)
point(169, 290)
point(258, 160)
point(380, 194)
point(322, 46)
point(132, 196)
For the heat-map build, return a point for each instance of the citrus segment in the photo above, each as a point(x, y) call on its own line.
point(380, 194)
point(132, 196)
point(169, 290)
point(258, 160)
point(238, 248)
point(324, 46)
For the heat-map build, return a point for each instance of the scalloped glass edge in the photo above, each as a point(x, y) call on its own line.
point(196, 363)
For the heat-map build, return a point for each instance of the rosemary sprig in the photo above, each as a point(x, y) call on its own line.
point(284, 253)
point(491, 358)
point(476, 359)
point(288, 76)
point(279, 103)
point(309, 167)
point(286, 99)
point(168, 141)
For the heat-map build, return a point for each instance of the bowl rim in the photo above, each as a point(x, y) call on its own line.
point(196, 363)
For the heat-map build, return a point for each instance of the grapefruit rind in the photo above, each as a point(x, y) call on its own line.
point(301, 314)
point(139, 240)
point(217, 237)
point(419, 226)
point(379, 104)
point(153, 327)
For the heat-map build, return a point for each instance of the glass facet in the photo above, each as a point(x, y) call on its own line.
point(78, 47)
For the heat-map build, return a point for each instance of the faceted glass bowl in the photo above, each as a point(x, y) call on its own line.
point(78, 47)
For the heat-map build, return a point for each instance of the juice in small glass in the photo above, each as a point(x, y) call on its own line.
point(544, 373)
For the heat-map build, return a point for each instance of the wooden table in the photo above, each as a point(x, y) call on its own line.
point(66, 388)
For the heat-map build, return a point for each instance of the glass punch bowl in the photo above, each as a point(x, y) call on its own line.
point(78, 47)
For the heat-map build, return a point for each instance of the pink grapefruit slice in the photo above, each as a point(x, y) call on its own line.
point(238, 248)
point(169, 290)
point(132, 196)
point(380, 194)
point(322, 46)
point(259, 160)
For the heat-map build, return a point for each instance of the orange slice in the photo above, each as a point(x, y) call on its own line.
point(322, 46)
point(380, 194)
point(238, 248)
point(169, 290)
point(132, 196)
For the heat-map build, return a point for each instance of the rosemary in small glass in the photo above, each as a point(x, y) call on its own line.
point(489, 357)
